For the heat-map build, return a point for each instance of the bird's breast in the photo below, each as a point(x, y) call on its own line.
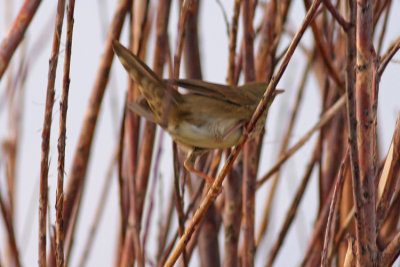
point(211, 134)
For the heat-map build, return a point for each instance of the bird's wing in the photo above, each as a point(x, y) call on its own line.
point(233, 94)
point(141, 108)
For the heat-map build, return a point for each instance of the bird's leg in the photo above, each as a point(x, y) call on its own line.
point(190, 161)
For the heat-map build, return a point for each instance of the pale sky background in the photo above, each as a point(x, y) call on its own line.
point(88, 43)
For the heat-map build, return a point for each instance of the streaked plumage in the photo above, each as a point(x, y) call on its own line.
point(208, 116)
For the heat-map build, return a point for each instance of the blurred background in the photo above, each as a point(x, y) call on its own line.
point(22, 112)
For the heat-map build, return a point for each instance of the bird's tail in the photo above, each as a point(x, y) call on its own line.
point(156, 91)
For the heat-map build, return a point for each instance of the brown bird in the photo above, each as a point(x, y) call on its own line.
point(208, 116)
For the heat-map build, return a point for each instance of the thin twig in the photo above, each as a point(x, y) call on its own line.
point(137, 170)
point(391, 251)
point(232, 42)
point(212, 193)
point(122, 189)
point(189, 209)
point(335, 13)
point(10, 231)
point(80, 161)
point(383, 30)
point(324, 52)
point(164, 227)
point(16, 33)
point(62, 137)
point(284, 144)
point(389, 177)
point(326, 117)
point(44, 163)
point(99, 210)
point(334, 201)
point(316, 235)
point(152, 192)
point(387, 57)
point(293, 207)
point(341, 233)
point(181, 36)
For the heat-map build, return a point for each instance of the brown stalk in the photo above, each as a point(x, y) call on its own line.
point(387, 57)
point(178, 196)
point(137, 172)
point(232, 216)
point(128, 143)
point(68, 238)
point(210, 224)
point(139, 21)
point(161, 50)
point(391, 252)
point(9, 150)
point(383, 30)
point(349, 260)
point(194, 241)
point(324, 52)
point(345, 223)
point(389, 228)
point(232, 188)
point(191, 47)
point(265, 59)
point(15, 91)
point(293, 208)
point(312, 250)
point(16, 33)
point(333, 206)
point(248, 31)
point(334, 217)
point(207, 240)
point(363, 185)
point(122, 189)
point(333, 134)
point(7, 218)
point(141, 176)
point(183, 17)
point(212, 193)
point(341, 233)
point(189, 209)
point(336, 14)
point(207, 201)
point(284, 144)
point(389, 177)
point(232, 42)
point(80, 161)
point(152, 192)
point(250, 158)
point(132, 235)
point(99, 209)
point(146, 148)
point(239, 65)
point(325, 118)
point(164, 228)
point(59, 235)
point(44, 163)
point(378, 9)
point(352, 120)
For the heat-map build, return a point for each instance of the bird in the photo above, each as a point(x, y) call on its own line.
point(208, 116)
